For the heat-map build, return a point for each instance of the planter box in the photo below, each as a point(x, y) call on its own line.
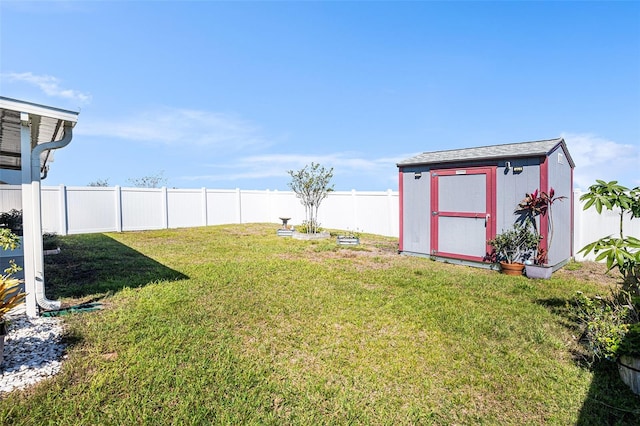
point(629, 369)
point(285, 232)
point(52, 251)
point(538, 271)
point(305, 236)
point(348, 241)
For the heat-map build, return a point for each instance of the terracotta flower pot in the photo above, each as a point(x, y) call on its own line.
point(514, 269)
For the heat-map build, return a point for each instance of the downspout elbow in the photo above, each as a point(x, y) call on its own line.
point(41, 298)
point(47, 146)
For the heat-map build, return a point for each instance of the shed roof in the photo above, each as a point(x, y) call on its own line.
point(47, 125)
point(511, 150)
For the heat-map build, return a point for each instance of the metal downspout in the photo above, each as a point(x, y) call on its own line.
point(41, 298)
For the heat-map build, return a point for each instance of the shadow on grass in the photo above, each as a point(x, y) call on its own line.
point(92, 265)
point(609, 401)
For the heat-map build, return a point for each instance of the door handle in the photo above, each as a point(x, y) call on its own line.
point(486, 219)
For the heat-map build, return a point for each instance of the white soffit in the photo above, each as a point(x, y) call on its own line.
point(47, 124)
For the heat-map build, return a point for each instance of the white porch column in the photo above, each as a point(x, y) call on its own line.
point(30, 212)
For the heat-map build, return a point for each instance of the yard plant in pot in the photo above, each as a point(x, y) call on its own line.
point(10, 292)
point(512, 247)
point(531, 209)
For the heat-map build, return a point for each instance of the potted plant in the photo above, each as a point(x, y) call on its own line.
point(533, 206)
point(512, 247)
point(10, 293)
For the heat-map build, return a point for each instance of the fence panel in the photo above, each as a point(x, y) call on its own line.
point(255, 207)
point(589, 226)
point(10, 198)
point(377, 211)
point(55, 219)
point(143, 208)
point(336, 211)
point(89, 209)
point(186, 208)
point(222, 207)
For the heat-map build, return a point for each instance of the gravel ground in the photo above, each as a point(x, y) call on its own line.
point(33, 350)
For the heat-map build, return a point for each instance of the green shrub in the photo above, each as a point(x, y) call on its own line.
point(50, 241)
point(308, 227)
point(8, 240)
point(12, 220)
point(630, 344)
point(605, 324)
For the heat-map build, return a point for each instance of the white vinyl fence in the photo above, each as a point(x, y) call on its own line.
point(589, 226)
point(79, 210)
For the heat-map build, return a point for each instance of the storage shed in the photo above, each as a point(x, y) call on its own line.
point(452, 202)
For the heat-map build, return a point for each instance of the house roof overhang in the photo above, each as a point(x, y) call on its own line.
point(47, 125)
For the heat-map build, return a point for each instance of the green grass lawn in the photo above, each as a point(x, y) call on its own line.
point(234, 325)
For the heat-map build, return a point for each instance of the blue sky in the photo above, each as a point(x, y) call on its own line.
point(234, 94)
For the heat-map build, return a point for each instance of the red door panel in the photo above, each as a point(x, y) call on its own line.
point(462, 212)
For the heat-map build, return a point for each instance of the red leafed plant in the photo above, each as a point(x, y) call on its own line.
point(538, 203)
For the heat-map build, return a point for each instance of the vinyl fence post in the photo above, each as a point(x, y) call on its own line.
point(118, 204)
point(165, 207)
point(354, 207)
point(578, 215)
point(390, 208)
point(204, 207)
point(238, 206)
point(62, 194)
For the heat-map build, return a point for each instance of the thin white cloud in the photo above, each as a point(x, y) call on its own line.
point(49, 85)
point(599, 158)
point(175, 126)
point(276, 165)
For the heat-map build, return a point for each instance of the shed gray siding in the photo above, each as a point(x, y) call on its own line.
point(416, 222)
point(560, 179)
point(511, 189)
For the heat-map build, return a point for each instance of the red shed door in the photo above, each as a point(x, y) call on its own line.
point(462, 212)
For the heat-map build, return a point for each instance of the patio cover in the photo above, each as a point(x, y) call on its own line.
point(28, 134)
